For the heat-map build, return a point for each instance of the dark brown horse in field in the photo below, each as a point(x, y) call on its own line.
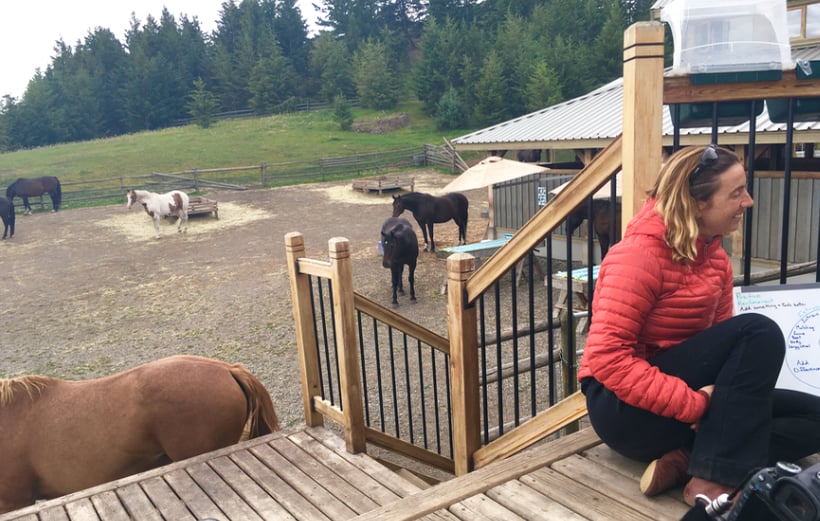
point(601, 215)
point(401, 247)
point(25, 188)
point(428, 209)
point(7, 216)
point(61, 436)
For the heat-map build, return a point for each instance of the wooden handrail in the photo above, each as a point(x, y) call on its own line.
point(605, 165)
point(550, 421)
point(403, 324)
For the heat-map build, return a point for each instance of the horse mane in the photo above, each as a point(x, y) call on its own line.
point(31, 384)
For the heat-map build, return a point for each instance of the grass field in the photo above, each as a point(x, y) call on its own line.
point(238, 142)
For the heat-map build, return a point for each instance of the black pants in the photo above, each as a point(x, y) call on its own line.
point(749, 423)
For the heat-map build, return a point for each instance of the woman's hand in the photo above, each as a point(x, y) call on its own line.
point(707, 391)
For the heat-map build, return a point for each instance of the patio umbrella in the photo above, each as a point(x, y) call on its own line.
point(603, 193)
point(490, 171)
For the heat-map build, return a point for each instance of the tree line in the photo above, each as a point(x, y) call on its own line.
point(470, 62)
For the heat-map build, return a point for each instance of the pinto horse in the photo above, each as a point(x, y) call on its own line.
point(158, 206)
point(25, 188)
point(401, 247)
point(7, 215)
point(61, 436)
point(601, 221)
point(428, 209)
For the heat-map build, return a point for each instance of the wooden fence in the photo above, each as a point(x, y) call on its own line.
point(92, 192)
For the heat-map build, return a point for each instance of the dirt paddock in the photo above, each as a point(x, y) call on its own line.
point(89, 292)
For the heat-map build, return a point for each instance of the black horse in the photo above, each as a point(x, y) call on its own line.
point(601, 221)
point(429, 209)
point(7, 214)
point(401, 246)
point(35, 186)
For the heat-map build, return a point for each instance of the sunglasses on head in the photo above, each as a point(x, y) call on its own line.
point(707, 159)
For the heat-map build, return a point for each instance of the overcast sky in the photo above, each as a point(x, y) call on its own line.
point(29, 28)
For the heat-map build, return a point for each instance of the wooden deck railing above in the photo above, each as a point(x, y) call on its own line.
point(636, 154)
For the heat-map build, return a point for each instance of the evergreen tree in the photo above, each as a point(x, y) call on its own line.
point(608, 58)
point(489, 92)
point(450, 112)
point(429, 77)
point(202, 104)
point(331, 67)
point(543, 88)
point(342, 112)
point(376, 84)
point(291, 32)
point(517, 52)
point(106, 61)
point(272, 82)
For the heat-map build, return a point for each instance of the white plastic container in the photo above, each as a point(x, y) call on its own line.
point(728, 35)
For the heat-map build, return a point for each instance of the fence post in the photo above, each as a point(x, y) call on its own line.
point(642, 113)
point(344, 310)
point(305, 333)
point(263, 170)
point(461, 324)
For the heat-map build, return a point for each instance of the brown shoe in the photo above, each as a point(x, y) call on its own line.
point(710, 489)
point(668, 471)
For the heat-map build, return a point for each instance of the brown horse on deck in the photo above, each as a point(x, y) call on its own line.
point(59, 436)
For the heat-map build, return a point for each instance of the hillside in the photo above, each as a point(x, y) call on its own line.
point(237, 142)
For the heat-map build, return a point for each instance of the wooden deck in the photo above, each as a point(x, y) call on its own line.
point(307, 475)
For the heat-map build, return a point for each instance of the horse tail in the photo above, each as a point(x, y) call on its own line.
point(261, 413)
point(465, 206)
point(57, 195)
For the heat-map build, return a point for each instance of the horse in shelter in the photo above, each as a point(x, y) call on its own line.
point(7, 215)
point(601, 221)
point(401, 247)
point(428, 209)
point(25, 188)
point(61, 436)
point(158, 206)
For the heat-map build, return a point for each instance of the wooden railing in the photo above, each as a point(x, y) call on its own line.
point(637, 154)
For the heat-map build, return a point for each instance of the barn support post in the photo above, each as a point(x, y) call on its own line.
point(461, 325)
point(347, 355)
point(305, 332)
point(642, 114)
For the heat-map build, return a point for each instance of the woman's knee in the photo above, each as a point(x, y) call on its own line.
point(763, 333)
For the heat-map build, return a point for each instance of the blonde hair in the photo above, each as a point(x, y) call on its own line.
point(686, 179)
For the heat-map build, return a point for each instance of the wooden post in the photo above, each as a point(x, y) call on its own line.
point(642, 114)
point(347, 355)
point(461, 323)
point(305, 333)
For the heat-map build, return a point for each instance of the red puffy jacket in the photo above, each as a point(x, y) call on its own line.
point(645, 303)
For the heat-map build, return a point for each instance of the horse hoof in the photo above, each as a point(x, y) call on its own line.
point(394, 304)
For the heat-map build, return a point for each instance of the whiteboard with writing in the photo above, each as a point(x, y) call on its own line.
point(796, 309)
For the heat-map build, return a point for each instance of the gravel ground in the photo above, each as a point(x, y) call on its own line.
point(89, 292)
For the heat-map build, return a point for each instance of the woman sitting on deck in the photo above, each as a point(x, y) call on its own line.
point(670, 376)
